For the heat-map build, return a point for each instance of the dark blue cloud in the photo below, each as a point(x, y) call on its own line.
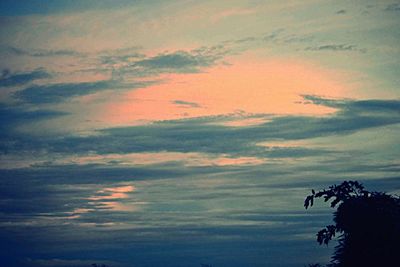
point(53, 93)
point(30, 7)
point(349, 107)
point(47, 183)
point(11, 116)
point(41, 52)
point(166, 229)
point(13, 79)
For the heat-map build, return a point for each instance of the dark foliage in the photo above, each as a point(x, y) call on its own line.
point(368, 224)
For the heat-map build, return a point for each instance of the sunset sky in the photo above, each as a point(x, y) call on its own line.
point(177, 133)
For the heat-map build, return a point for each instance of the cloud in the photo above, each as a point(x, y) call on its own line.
point(71, 192)
point(188, 135)
point(66, 263)
point(181, 61)
point(47, 196)
point(11, 116)
point(11, 8)
point(130, 63)
point(205, 135)
point(186, 104)
point(335, 47)
point(13, 79)
point(53, 93)
point(348, 107)
point(393, 7)
point(42, 52)
point(281, 36)
point(232, 12)
point(115, 60)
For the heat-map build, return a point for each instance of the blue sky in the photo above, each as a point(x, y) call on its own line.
point(176, 133)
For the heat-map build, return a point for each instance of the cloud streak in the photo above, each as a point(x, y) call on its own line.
point(42, 52)
point(335, 47)
point(181, 61)
point(190, 135)
point(54, 93)
point(8, 79)
point(186, 104)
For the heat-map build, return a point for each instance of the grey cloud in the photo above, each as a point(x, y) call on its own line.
point(342, 11)
point(13, 79)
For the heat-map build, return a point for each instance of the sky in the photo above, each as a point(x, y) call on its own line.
point(178, 133)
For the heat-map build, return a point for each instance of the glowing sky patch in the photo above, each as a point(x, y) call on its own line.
point(273, 87)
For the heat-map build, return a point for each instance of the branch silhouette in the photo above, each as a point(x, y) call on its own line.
point(367, 225)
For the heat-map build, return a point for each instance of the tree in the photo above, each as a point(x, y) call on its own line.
point(368, 224)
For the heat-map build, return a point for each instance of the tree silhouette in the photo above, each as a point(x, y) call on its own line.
point(368, 224)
